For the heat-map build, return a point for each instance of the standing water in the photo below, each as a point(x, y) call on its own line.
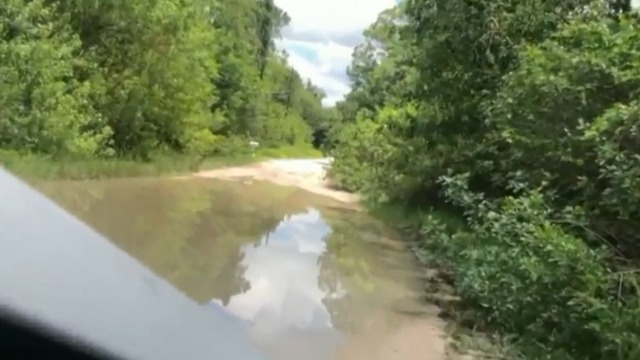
point(310, 277)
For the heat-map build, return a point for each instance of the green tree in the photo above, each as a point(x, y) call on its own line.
point(131, 79)
point(42, 107)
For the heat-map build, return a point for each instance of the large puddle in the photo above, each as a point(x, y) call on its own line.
point(310, 278)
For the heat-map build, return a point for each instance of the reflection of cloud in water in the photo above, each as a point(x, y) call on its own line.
point(284, 303)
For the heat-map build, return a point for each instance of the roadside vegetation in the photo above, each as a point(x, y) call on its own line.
point(508, 132)
point(111, 88)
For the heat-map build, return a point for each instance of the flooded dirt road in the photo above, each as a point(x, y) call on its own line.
point(310, 277)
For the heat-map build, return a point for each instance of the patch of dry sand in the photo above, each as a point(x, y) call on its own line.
point(307, 174)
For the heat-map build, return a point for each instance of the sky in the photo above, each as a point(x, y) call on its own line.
point(321, 37)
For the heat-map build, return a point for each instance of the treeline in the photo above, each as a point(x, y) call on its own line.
point(114, 78)
point(521, 119)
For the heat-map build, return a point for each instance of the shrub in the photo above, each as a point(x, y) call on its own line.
point(525, 275)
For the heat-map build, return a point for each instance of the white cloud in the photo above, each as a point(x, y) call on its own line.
point(321, 36)
point(283, 273)
point(325, 68)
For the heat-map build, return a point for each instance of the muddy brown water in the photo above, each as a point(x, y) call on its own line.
point(310, 277)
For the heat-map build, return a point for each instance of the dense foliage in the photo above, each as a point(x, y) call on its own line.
point(521, 118)
point(134, 78)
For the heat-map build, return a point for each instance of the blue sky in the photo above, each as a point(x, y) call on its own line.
point(322, 35)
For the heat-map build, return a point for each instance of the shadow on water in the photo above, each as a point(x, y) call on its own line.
point(308, 277)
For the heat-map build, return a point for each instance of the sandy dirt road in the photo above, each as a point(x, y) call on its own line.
point(307, 174)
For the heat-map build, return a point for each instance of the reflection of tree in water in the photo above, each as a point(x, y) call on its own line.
point(193, 234)
point(363, 259)
point(345, 272)
point(336, 300)
point(230, 279)
point(190, 233)
point(256, 220)
point(217, 239)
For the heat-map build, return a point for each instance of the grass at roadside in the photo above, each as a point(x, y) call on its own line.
point(47, 168)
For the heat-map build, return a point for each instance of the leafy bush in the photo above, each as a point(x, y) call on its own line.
point(524, 274)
